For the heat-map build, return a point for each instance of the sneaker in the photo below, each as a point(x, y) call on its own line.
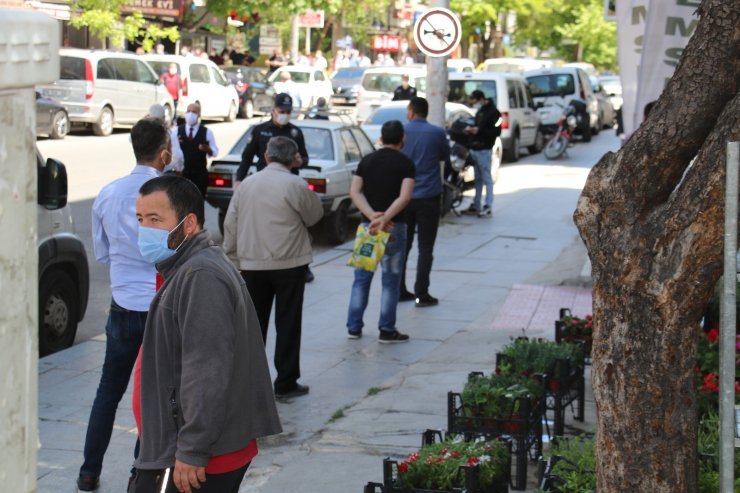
point(471, 210)
point(387, 337)
point(406, 296)
point(426, 300)
point(485, 212)
point(87, 482)
point(354, 335)
point(297, 391)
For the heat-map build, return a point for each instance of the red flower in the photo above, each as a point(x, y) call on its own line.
point(403, 468)
point(710, 383)
point(444, 451)
point(737, 387)
point(498, 371)
point(412, 458)
point(472, 461)
point(713, 336)
point(455, 454)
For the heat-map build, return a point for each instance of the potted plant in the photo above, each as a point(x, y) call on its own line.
point(575, 329)
point(451, 466)
point(571, 468)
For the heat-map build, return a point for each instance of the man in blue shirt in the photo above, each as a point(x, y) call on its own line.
point(115, 232)
point(427, 146)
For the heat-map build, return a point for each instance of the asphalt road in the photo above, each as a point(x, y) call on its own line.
point(92, 162)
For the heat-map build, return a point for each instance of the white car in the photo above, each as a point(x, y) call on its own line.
point(310, 82)
point(378, 84)
point(202, 82)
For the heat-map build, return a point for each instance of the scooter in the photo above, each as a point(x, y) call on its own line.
point(460, 160)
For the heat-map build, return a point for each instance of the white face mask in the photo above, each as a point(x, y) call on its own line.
point(477, 106)
point(282, 119)
point(191, 118)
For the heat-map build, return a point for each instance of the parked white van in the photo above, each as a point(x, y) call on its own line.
point(378, 84)
point(520, 126)
point(513, 65)
point(105, 89)
point(202, 82)
point(554, 88)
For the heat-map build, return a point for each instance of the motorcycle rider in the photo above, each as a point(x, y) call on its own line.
point(482, 139)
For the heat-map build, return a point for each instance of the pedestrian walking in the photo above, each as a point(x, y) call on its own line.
point(278, 126)
point(404, 92)
point(426, 145)
point(173, 83)
point(203, 395)
point(132, 280)
point(266, 230)
point(483, 137)
point(381, 189)
point(198, 144)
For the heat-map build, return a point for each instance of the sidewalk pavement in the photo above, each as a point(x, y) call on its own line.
point(495, 278)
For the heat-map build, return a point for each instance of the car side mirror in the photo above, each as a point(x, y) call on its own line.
point(539, 105)
point(52, 185)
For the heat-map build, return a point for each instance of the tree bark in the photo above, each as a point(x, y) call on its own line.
point(652, 220)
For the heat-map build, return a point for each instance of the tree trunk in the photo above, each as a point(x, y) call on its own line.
point(652, 221)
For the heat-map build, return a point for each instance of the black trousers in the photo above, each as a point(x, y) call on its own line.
point(286, 287)
point(151, 482)
point(421, 215)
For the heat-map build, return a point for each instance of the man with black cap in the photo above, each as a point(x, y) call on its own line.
point(278, 126)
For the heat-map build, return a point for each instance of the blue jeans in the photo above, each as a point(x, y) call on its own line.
point(124, 332)
point(392, 265)
point(482, 159)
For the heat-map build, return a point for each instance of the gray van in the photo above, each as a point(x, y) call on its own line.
point(105, 89)
point(64, 276)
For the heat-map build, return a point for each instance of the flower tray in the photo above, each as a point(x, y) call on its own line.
point(524, 429)
point(469, 474)
point(567, 333)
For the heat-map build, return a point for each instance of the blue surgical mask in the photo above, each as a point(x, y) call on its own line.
point(153, 243)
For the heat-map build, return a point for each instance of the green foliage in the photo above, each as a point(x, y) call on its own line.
point(576, 465)
point(437, 466)
point(496, 396)
point(528, 356)
point(708, 448)
point(597, 37)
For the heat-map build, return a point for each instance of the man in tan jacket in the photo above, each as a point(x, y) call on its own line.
point(266, 234)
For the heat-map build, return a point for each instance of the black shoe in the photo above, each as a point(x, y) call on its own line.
point(426, 300)
point(354, 335)
point(471, 210)
point(394, 337)
point(297, 391)
point(87, 482)
point(309, 275)
point(406, 296)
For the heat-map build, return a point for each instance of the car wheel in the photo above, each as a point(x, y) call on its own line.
point(539, 143)
point(597, 128)
point(512, 153)
point(336, 224)
point(57, 312)
point(249, 109)
point(232, 113)
point(221, 218)
point(586, 133)
point(104, 126)
point(59, 125)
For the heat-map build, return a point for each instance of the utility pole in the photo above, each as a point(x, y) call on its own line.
point(437, 80)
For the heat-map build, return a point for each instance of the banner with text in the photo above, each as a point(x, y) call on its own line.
point(631, 17)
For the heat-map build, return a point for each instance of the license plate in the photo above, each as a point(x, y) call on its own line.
point(53, 93)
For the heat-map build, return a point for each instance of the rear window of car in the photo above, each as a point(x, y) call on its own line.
point(551, 84)
point(348, 73)
point(199, 73)
point(301, 77)
point(72, 68)
point(382, 115)
point(460, 90)
point(319, 143)
point(381, 82)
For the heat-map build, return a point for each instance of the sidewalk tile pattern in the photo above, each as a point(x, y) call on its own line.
point(536, 308)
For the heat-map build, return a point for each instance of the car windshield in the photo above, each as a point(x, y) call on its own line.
point(319, 143)
point(551, 84)
point(348, 73)
point(301, 77)
point(460, 90)
point(382, 115)
point(160, 67)
point(381, 82)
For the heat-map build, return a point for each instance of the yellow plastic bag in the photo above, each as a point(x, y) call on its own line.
point(368, 250)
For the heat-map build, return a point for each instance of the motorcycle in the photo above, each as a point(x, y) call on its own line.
point(567, 124)
point(460, 160)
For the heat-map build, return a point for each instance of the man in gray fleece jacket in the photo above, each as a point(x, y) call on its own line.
point(204, 389)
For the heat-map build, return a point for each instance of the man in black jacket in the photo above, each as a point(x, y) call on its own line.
point(405, 91)
point(482, 139)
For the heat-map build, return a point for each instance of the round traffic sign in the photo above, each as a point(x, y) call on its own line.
point(437, 32)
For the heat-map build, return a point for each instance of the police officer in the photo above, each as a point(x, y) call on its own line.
point(405, 91)
point(280, 126)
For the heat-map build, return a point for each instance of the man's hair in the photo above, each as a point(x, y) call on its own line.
point(184, 196)
point(391, 133)
point(281, 150)
point(477, 95)
point(419, 106)
point(148, 137)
